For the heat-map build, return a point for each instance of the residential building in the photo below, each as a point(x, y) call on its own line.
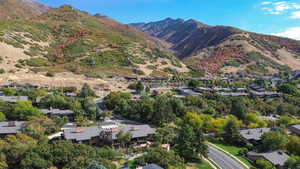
point(14, 99)
point(150, 166)
point(253, 135)
point(277, 158)
point(21, 85)
point(58, 112)
point(295, 129)
point(11, 127)
point(106, 133)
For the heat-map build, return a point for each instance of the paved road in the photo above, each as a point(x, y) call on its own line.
point(223, 160)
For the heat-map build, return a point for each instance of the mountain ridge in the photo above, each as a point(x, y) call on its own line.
point(208, 47)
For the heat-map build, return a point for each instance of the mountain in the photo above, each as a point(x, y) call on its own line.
point(225, 49)
point(69, 40)
point(21, 9)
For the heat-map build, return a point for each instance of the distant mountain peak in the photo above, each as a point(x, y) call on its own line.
point(21, 9)
point(209, 47)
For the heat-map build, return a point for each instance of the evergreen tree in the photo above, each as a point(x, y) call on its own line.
point(231, 132)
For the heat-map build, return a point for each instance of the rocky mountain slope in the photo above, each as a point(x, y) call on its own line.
point(225, 49)
point(21, 9)
point(69, 40)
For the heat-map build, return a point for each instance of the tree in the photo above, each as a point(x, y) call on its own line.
point(263, 164)
point(190, 142)
point(166, 135)
point(39, 127)
point(292, 163)
point(124, 137)
point(95, 165)
point(274, 140)
point(161, 157)
point(194, 84)
point(139, 87)
point(2, 116)
point(293, 145)
point(86, 91)
point(231, 132)
point(33, 160)
point(239, 108)
point(24, 111)
point(82, 121)
point(90, 108)
point(289, 89)
point(115, 98)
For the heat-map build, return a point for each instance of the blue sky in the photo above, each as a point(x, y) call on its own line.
point(280, 17)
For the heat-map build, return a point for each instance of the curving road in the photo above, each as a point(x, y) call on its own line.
point(223, 160)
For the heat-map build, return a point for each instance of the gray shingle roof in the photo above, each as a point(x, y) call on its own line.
point(12, 127)
point(86, 133)
point(275, 157)
point(82, 133)
point(152, 166)
point(13, 99)
point(297, 126)
point(57, 111)
point(254, 134)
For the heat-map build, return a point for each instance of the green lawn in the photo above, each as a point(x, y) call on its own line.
point(235, 151)
point(200, 165)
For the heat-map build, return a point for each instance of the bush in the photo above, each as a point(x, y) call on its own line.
point(2, 71)
point(38, 62)
point(50, 74)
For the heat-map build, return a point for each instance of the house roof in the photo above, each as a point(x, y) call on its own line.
point(86, 133)
point(275, 157)
point(57, 111)
point(82, 133)
point(297, 126)
point(254, 134)
point(152, 166)
point(13, 99)
point(11, 127)
point(21, 84)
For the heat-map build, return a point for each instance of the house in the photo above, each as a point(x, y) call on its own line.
point(233, 94)
point(13, 99)
point(106, 133)
point(2, 93)
point(188, 92)
point(70, 94)
point(265, 93)
point(253, 135)
point(21, 85)
point(58, 112)
point(11, 127)
point(277, 158)
point(150, 166)
point(295, 129)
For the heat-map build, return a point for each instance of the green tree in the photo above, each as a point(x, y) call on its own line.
point(293, 145)
point(190, 142)
point(194, 84)
point(90, 108)
point(263, 164)
point(166, 135)
point(289, 89)
point(161, 157)
point(95, 165)
point(24, 111)
point(2, 116)
point(239, 108)
point(231, 132)
point(124, 137)
point(292, 163)
point(86, 91)
point(274, 140)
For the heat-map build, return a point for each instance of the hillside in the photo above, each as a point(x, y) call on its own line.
point(225, 49)
point(21, 9)
point(68, 40)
